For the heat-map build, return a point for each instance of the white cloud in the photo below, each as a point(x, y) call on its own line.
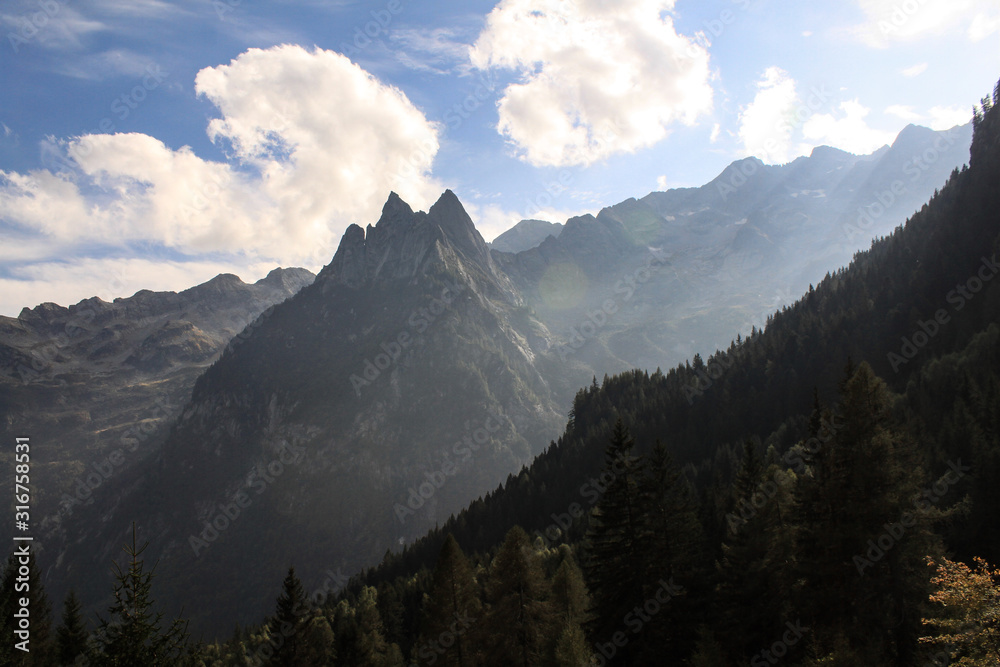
point(109, 278)
point(890, 21)
point(779, 125)
point(983, 26)
point(597, 78)
point(848, 131)
point(916, 70)
point(767, 124)
point(661, 183)
point(317, 143)
point(904, 112)
point(440, 49)
point(53, 25)
point(716, 129)
point(937, 118)
point(349, 139)
point(945, 118)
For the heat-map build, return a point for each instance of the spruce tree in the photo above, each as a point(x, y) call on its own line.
point(71, 636)
point(519, 619)
point(614, 557)
point(671, 548)
point(291, 614)
point(453, 606)
point(132, 635)
point(861, 538)
point(753, 554)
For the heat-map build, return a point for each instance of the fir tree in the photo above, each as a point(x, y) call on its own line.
point(753, 554)
point(131, 635)
point(290, 617)
point(671, 546)
point(614, 562)
point(858, 495)
point(71, 636)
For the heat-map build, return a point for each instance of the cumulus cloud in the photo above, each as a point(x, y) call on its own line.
point(945, 118)
point(937, 118)
point(847, 130)
point(888, 21)
point(780, 124)
point(904, 112)
point(315, 143)
point(327, 138)
point(596, 78)
point(767, 124)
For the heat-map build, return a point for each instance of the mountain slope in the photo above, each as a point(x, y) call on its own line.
point(96, 377)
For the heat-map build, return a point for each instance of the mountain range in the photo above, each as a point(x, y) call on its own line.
point(418, 371)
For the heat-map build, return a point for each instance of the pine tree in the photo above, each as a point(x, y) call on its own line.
point(453, 606)
point(519, 619)
point(291, 614)
point(131, 635)
point(614, 560)
point(71, 636)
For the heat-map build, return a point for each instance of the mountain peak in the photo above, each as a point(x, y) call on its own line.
point(912, 134)
point(825, 151)
point(400, 241)
point(395, 204)
point(453, 220)
point(525, 235)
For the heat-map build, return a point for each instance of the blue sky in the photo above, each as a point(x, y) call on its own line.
point(154, 144)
